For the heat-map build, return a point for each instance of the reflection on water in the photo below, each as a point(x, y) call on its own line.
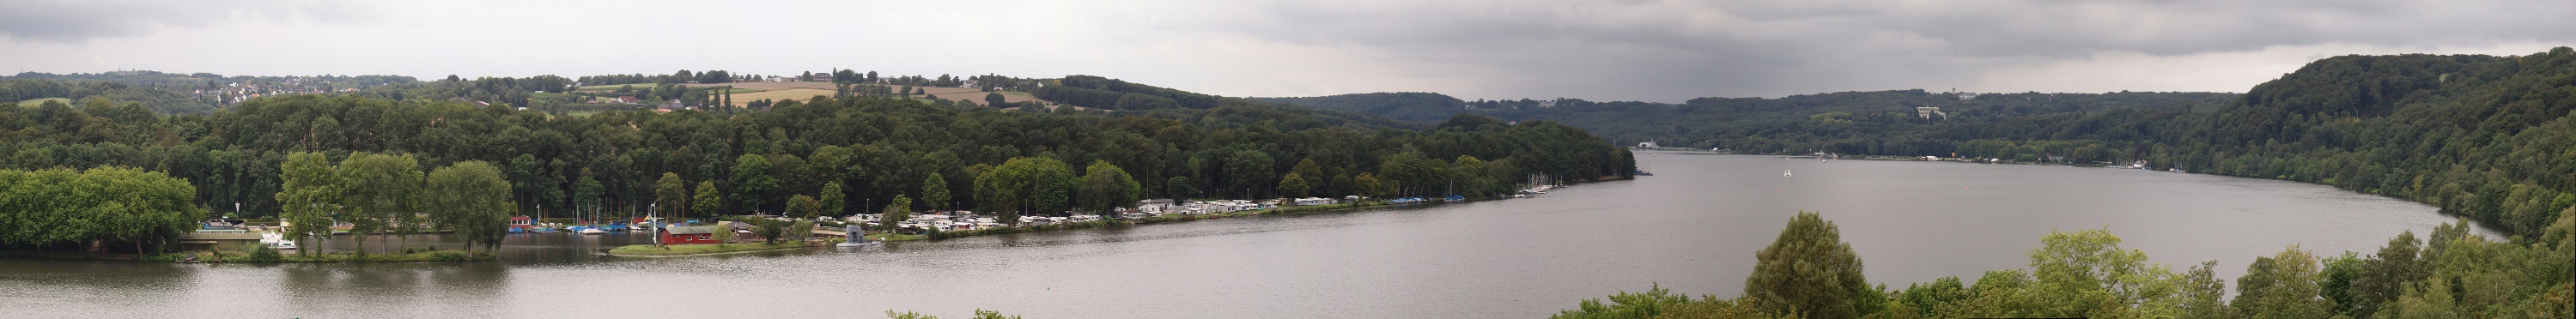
point(1692, 228)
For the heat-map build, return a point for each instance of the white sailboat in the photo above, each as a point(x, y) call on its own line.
point(1784, 173)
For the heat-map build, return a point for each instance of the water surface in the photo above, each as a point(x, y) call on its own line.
point(1693, 228)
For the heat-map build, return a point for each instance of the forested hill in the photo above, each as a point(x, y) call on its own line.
point(1409, 106)
point(2485, 136)
point(1799, 122)
point(2482, 136)
point(1113, 94)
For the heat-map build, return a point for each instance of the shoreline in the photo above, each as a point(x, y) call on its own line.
point(450, 256)
point(1066, 226)
point(752, 247)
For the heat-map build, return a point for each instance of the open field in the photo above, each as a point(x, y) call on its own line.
point(826, 86)
point(738, 87)
point(764, 86)
point(781, 95)
point(977, 95)
point(36, 102)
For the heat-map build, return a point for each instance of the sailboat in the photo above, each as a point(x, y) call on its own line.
point(1784, 173)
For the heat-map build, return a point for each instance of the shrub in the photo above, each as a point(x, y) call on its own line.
point(263, 254)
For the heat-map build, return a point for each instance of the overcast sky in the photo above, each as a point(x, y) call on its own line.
point(1665, 51)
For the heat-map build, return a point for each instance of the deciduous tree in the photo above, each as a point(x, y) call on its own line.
point(1810, 271)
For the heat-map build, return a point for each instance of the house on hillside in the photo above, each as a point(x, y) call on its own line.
point(628, 99)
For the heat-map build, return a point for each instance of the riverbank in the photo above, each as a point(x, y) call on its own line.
point(433, 256)
point(1167, 218)
point(705, 249)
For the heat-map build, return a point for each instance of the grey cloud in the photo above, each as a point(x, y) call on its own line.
point(1672, 50)
point(80, 21)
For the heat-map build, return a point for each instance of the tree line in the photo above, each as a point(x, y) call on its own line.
point(391, 194)
point(874, 148)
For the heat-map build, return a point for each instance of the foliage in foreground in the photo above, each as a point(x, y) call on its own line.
point(1661, 303)
point(2453, 274)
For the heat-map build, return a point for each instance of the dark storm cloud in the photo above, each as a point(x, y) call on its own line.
point(1675, 50)
point(80, 21)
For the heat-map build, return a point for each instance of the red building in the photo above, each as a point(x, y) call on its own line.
point(686, 235)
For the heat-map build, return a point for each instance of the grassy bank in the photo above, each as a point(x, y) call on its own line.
point(703, 249)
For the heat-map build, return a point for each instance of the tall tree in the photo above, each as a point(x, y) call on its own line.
point(709, 202)
point(382, 195)
point(2086, 274)
point(1294, 185)
point(308, 194)
point(751, 180)
point(835, 201)
point(671, 194)
point(804, 207)
point(896, 211)
point(1810, 271)
point(934, 190)
point(2282, 286)
point(1251, 172)
point(472, 198)
point(1026, 185)
point(1105, 187)
point(2385, 274)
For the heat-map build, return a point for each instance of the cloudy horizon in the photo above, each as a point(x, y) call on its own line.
point(1661, 51)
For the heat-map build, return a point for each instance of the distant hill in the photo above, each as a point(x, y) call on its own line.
point(1717, 122)
point(2489, 137)
point(1409, 106)
point(1113, 94)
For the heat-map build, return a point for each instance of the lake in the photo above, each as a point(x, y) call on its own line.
point(1692, 228)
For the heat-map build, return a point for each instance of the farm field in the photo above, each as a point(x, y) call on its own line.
point(739, 88)
point(36, 102)
point(749, 91)
point(781, 94)
point(977, 95)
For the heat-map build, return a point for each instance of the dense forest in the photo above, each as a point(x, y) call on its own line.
point(873, 148)
point(2480, 136)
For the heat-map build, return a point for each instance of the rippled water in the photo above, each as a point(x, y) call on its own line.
point(1693, 228)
